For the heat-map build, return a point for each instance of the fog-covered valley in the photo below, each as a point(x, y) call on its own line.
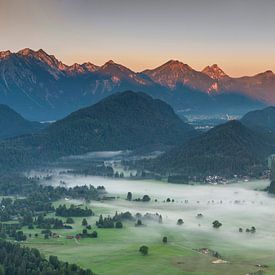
point(239, 205)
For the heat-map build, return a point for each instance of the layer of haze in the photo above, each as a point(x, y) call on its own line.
point(238, 34)
point(235, 205)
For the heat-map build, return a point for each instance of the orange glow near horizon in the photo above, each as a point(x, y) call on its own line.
point(238, 35)
point(235, 67)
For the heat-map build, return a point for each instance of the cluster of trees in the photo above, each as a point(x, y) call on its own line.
point(108, 222)
point(156, 217)
point(95, 169)
point(248, 230)
point(23, 209)
point(115, 221)
point(49, 223)
point(12, 184)
point(39, 199)
point(8, 230)
point(86, 234)
point(22, 260)
point(73, 211)
point(145, 198)
point(31, 211)
point(119, 175)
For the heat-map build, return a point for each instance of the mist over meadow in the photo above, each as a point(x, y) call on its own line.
point(240, 205)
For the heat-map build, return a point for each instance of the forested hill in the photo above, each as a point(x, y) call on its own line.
point(125, 120)
point(261, 120)
point(227, 149)
point(12, 124)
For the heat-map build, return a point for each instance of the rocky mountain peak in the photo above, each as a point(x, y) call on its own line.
point(5, 54)
point(215, 72)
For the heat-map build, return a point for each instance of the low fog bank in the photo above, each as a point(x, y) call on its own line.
point(235, 206)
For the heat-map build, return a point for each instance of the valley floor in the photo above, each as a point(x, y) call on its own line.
point(115, 251)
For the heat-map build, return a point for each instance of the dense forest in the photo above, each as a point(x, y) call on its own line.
point(30, 209)
point(122, 121)
point(225, 150)
point(18, 260)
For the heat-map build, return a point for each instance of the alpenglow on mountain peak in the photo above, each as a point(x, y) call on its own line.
point(215, 72)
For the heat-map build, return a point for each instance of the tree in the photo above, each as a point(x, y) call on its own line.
point(53, 260)
point(84, 222)
point(94, 234)
point(216, 224)
point(144, 250)
point(164, 239)
point(129, 196)
point(138, 223)
point(160, 219)
point(180, 222)
point(70, 220)
point(146, 198)
point(100, 221)
point(119, 224)
point(121, 175)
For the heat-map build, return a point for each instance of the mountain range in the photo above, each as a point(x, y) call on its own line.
point(40, 87)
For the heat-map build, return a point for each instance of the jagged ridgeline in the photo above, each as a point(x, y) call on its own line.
point(40, 87)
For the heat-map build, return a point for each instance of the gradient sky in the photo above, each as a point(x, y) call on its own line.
point(239, 35)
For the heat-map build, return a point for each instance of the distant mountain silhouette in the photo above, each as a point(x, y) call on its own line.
point(261, 120)
point(40, 87)
point(12, 124)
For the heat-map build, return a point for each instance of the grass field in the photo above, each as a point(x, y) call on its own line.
point(115, 251)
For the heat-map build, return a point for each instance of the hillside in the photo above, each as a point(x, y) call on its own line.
point(261, 120)
point(122, 121)
point(12, 124)
point(227, 149)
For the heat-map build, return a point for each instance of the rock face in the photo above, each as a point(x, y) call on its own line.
point(39, 86)
point(215, 72)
